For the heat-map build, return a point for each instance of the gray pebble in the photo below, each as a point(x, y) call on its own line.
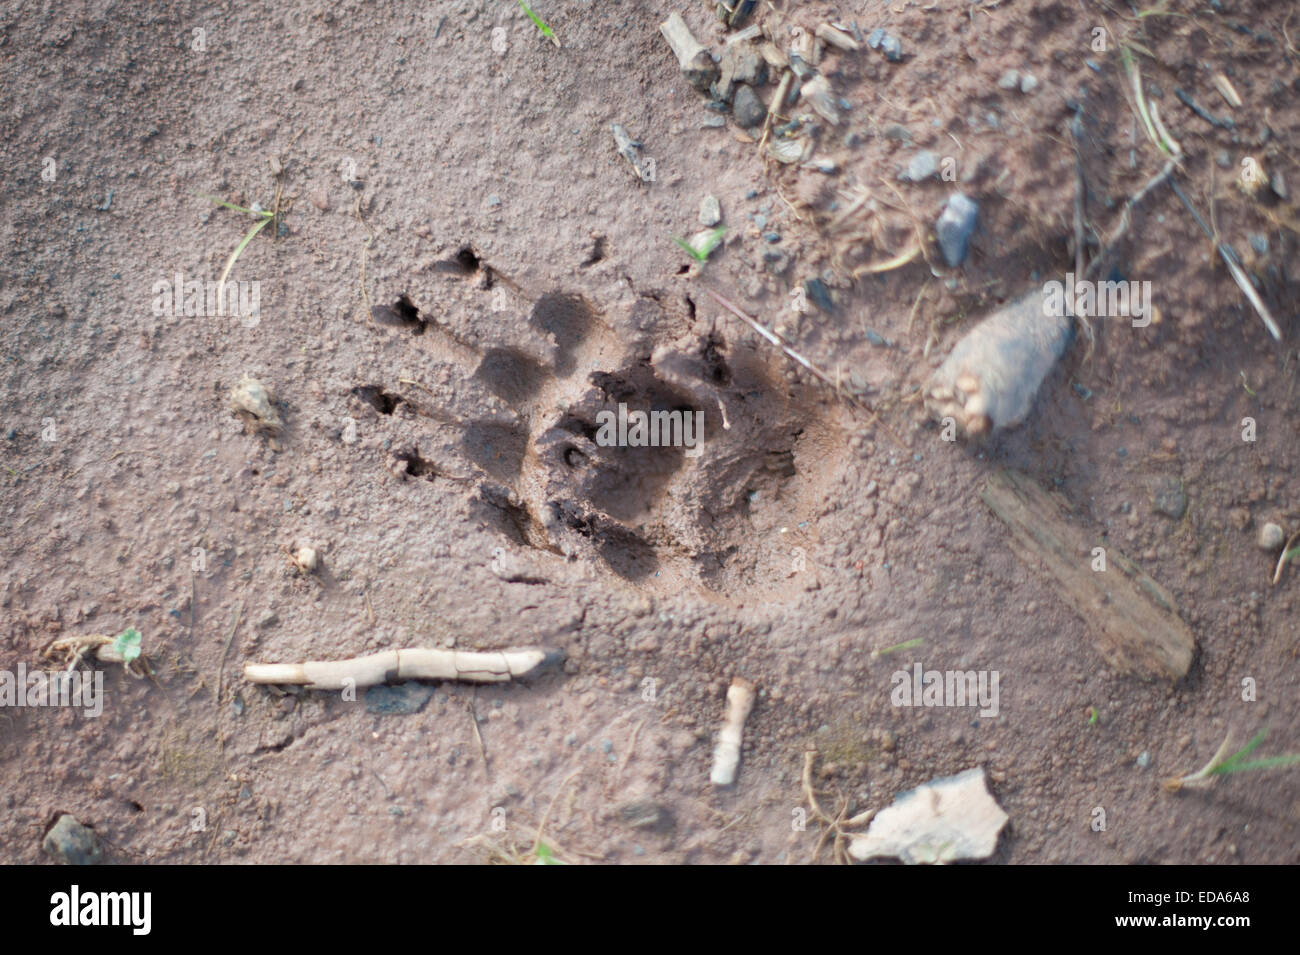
point(921, 167)
point(72, 843)
point(1271, 537)
point(1028, 83)
point(1169, 498)
point(1009, 80)
point(875, 38)
point(892, 47)
point(710, 211)
point(747, 107)
point(955, 226)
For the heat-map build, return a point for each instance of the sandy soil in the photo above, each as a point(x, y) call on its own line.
point(447, 157)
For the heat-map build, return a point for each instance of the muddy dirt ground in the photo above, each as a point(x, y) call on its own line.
point(463, 270)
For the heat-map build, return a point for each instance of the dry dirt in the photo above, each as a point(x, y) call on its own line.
point(470, 174)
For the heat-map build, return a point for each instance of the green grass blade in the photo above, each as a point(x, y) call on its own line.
point(230, 264)
point(1229, 764)
point(265, 213)
point(537, 21)
point(690, 249)
point(1270, 762)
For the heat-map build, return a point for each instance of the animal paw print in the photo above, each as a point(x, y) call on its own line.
point(519, 417)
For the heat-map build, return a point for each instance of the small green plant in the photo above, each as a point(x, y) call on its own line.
point(702, 246)
point(537, 21)
point(264, 216)
point(1093, 716)
point(905, 645)
point(545, 856)
point(1225, 764)
point(127, 645)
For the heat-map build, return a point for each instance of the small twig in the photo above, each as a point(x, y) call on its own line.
point(799, 359)
point(473, 721)
point(1282, 558)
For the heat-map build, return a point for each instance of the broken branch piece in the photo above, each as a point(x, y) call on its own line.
point(726, 755)
point(393, 666)
point(696, 64)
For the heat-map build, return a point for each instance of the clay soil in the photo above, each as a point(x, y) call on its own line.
point(447, 163)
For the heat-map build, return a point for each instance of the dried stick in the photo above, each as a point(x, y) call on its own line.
point(726, 755)
point(419, 663)
point(803, 362)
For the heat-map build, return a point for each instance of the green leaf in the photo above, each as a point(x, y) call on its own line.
point(128, 644)
point(706, 247)
point(546, 31)
point(546, 857)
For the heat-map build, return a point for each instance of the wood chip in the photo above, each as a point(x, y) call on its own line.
point(1133, 619)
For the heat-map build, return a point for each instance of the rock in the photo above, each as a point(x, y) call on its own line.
point(251, 403)
point(645, 814)
point(72, 843)
point(892, 47)
point(710, 211)
point(1028, 83)
point(741, 64)
point(921, 167)
point(775, 261)
point(875, 38)
point(1169, 498)
point(942, 821)
point(819, 294)
point(399, 700)
point(1271, 537)
point(1009, 80)
point(748, 108)
point(955, 226)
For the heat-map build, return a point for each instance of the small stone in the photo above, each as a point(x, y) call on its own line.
point(892, 47)
point(819, 294)
point(747, 107)
point(921, 167)
point(775, 261)
point(644, 814)
point(1258, 241)
point(1009, 80)
point(1271, 537)
point(399, 700)
point(72, 843)
point(955, 226)
point(710, 211)
point(320, 199)
point(493, 201)
point(1028, 83)
point(875, 38)
point(1143, 760)
point(1223, 158)
point(1169, 498)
